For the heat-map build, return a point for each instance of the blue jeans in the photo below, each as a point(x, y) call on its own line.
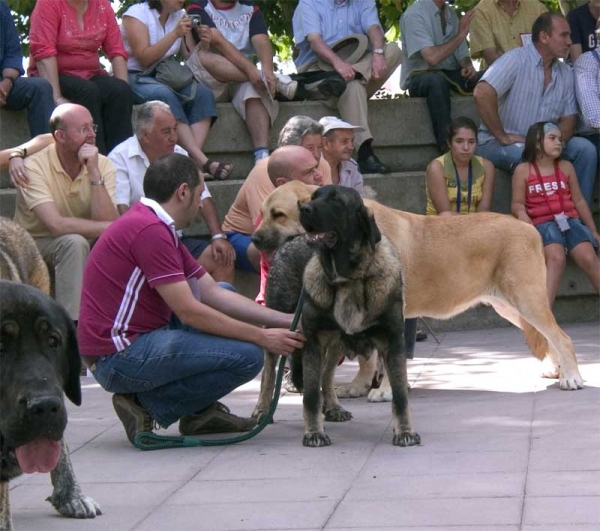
point(437, 89)
point(179, 370)
point(189, 112)
point(35, 95)
point(579, 151)
point(577, 233)
point(410, 337)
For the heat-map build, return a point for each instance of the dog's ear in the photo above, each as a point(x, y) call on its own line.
point(369, 227)
point(303, 198)
point(71, 361)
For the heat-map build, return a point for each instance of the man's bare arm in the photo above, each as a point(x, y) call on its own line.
point(208, 316)
point(490, 55)
point(435, 54)
point(59, 225)
point(377, 40)
point(567, 127)
point(486, 101)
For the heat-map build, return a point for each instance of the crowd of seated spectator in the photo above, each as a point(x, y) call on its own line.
point(524, 79)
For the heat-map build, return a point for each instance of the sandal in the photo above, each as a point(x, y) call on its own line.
point(222, 172)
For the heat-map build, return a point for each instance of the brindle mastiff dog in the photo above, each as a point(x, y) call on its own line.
point(39, 361)
point(448, 265)
point(353, 305)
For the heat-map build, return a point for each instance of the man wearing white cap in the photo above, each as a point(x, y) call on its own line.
point(338, 137)
point(346, 36)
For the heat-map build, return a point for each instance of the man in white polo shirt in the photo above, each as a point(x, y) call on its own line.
point(155, 134)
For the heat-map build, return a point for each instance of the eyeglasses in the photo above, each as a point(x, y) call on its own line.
point(86, 129)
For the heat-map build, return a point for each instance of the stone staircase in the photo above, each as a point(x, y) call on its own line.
point(403, 140)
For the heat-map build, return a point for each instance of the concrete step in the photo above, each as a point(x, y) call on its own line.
point(403, 138)
point(401, 128)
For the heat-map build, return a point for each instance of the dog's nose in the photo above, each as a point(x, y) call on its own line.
point(305, 209)
point(256, 239)
point(43, 406)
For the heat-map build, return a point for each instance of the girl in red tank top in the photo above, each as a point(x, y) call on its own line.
point(545, 193)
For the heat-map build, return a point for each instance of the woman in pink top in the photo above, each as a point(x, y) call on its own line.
point(546, 194)
point(65, 37)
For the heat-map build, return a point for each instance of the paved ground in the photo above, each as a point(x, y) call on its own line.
point(502, 449)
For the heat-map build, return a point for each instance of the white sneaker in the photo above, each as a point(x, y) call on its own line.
point(286, 86)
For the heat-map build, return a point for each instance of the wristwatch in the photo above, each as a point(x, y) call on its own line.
point(219, 236)
point(20, 153)
point(378, 51)
point(99, 182)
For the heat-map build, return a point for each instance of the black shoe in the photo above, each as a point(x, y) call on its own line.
point(421, 336)
point(372, 164)
point(332, 87)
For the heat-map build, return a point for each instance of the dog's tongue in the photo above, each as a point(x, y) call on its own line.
point(40, 455)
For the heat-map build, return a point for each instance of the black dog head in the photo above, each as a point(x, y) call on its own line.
point(39, 360)
point(337, 221)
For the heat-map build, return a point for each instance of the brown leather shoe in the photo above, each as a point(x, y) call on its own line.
point(134, 417)
point(216, 419)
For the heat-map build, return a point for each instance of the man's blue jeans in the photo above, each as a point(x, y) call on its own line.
point(179, 370)
point(579, 151)
point(35, 95)
point(437, 89)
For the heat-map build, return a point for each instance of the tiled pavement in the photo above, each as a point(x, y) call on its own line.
point(502, 449)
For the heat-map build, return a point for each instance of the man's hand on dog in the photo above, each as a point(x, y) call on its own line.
point(281, 341)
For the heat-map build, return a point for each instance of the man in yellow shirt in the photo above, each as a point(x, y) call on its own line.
point(69, 200)
point(501, 25)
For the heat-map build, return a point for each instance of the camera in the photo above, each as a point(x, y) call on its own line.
point(196, 20)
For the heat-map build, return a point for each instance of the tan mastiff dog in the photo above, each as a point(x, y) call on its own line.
point(449, 264)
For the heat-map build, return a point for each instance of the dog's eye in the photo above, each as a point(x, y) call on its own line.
point(277, 215)
point(53, 342)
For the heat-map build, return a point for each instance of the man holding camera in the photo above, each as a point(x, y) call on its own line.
point(238, 32)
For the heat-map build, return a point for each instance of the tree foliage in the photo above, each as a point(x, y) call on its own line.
point(278, 14)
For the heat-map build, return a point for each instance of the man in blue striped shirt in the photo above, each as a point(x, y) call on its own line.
point(528, 85)
point(318, 26)
point(587, 88)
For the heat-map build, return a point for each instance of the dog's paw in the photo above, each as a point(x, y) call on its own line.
point(76, 507)
point(552, 374)
point(260, 415)
point(260, 412)
point(338, 414)
point(571, 383)
point(406, 438)
point(383, 394)
point(352, 390)
point(316, 440)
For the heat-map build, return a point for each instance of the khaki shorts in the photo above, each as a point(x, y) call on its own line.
point(236, 93)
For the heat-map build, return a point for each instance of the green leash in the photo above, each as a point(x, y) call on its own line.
point(147, 440)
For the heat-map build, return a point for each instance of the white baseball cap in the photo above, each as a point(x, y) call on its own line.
point(333, 122)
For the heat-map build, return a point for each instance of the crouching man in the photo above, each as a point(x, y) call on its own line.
point(156, 330)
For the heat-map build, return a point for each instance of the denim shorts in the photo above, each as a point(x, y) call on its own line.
point(577, 233)
point(240, 243)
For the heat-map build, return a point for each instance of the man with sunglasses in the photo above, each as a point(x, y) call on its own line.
point(69, 200)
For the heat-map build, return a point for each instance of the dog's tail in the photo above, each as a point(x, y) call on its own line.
point(297, 373)
point(536, 342)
